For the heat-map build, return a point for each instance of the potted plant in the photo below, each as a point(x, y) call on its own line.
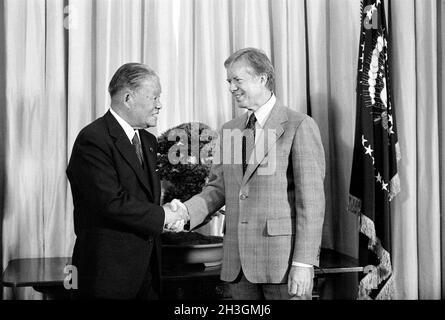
point(185, 155)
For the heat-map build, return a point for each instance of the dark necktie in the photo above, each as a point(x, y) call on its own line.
point(248, 140)
point(137, 145)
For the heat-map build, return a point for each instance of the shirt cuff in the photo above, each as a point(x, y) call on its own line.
point(299, 264)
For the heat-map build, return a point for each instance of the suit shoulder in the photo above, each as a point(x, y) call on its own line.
point(229, 123)
point(149, 135)
point(297, 116)
point(294, 115)
point(95, 131)
point(234, 123)
point(298, 120)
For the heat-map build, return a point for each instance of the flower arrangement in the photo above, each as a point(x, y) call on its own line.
point(185, 155)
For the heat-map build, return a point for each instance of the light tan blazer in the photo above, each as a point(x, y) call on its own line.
point(274, 213)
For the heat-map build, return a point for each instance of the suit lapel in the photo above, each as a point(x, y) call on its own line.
point(126, 149)
point(266, 141)
point(239, 124)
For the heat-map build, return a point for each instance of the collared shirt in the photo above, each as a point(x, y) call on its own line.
point(129, 131)
point(262, 114)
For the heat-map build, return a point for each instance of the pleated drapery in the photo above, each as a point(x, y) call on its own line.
point(60, 55)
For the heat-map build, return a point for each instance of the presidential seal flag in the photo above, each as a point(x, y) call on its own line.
point(374, 178)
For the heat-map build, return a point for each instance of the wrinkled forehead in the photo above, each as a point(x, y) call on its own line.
point(150, 85)
point(240, 68)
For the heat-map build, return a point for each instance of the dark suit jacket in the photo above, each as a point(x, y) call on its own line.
point(117, 216)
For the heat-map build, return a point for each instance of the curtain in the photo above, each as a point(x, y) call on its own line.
point(35, 220)
point(60, 55)
point(418, 70)
point(2, 127)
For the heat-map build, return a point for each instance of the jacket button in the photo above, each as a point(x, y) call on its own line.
point(243, 196)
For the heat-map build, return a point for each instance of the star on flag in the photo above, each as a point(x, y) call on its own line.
point(378, 177)
point(369, 150)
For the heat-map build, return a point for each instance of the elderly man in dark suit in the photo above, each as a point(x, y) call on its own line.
point(274, 197)
point(116, 193)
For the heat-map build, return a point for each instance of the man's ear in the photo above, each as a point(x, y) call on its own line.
point(264, 78)
point(127, 98)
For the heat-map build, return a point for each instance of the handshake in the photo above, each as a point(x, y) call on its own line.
point(176, 216)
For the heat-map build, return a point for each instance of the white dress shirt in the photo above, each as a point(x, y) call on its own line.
point(129, 131)
point(262, 114)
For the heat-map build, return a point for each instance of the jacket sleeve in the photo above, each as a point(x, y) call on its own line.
point(212, 197)
point(96, 184)
point(308, 163)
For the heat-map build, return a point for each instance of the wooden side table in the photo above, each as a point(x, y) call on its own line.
point(45, 275)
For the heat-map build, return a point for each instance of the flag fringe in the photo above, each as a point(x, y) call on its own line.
point(375, 274)
point(395, 180)
point(394, 187)
point(398, 153)
point(388, 290)
point(354, 205)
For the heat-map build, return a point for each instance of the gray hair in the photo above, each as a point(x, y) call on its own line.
point(130, 76)
point(258, 61)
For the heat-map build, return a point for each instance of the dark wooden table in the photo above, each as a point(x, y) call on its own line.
point(47, 275)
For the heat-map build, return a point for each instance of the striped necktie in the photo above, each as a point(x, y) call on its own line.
point(137, 145)
point(248, 140)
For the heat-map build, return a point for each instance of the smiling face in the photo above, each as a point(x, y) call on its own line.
point(247, 88)
point(144, 104)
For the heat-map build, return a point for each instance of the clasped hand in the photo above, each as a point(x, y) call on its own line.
point(176, 216)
